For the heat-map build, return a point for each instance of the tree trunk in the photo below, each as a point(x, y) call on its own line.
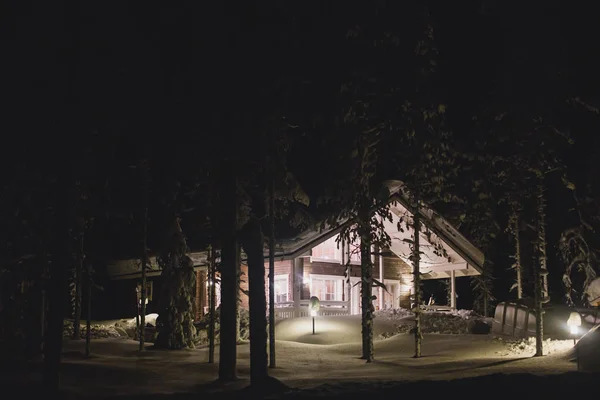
point(366, 271)
point(539, 318)
point(518, 268)
point(211, 304)
point(58, 288)
point(238, 263)
point(78, 289)
point(541, 273)
point(272, 362)
point(486, 306)
point(253, 245)
point(144, 259)
point(88, 314)
point(229, 295)
point(42, 320)
point(416, 258)
point(176, 314)
point(542, 255)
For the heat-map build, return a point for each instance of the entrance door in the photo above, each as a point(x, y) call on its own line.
point(391, 298)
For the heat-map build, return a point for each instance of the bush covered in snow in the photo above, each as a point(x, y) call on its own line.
point(450, 322)
point(97, 331)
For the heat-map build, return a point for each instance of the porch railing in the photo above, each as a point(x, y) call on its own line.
point(288, 309)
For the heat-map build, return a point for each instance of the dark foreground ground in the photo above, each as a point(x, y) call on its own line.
point(570, 385)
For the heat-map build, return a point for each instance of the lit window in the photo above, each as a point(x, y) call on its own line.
point(327, 289)
point(327, 251)
point(281, 288)
point(354, 253)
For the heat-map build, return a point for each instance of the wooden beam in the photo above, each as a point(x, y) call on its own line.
point(453, 289)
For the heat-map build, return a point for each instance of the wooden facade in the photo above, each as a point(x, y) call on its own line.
point(299, 279)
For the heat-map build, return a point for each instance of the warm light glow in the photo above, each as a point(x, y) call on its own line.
point(574, 322)
point(574, 330)
point(313, 313)
point(574, 319)
point(209, 282)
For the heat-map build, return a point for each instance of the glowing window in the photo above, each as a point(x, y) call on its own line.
point(326, 288)
point(282, 288)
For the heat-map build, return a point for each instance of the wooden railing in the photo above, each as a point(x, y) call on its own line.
point(328, 308)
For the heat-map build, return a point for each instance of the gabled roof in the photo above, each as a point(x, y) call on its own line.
point(461, 255)
point(442, 228)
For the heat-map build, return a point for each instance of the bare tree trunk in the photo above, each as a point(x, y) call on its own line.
point(486, 304)
point(272, 362)
point(144, 258)
point(542, 255)
point(211, 305)
point(42, 320)
point(78, 289)
point(541, 273)
point(366, 270)
point(88, 314)
point(229, 295)
point(58, 289)
point(253, 245)
point(416, 258)
point(518, 267)
point(539, 319)
point(238, 263)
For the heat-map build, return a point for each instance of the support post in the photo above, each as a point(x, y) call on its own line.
point(380, 279)
point(349, 297)
point(297, 277)
point(453, 289)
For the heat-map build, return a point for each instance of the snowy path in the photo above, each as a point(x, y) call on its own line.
point(304, 360)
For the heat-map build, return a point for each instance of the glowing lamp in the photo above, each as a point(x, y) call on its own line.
point(574, 322)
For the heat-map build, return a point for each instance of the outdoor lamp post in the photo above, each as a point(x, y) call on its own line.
point(574, 322)
point(314, 306)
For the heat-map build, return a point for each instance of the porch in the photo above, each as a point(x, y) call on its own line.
point(292, 309)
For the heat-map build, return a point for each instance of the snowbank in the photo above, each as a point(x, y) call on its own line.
point(526, 347)
point(97, 331)
point(125, 328)
point(447, 322)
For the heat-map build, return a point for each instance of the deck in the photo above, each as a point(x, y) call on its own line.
point(328, 308)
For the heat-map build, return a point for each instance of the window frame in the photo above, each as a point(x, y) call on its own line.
point(338, 287)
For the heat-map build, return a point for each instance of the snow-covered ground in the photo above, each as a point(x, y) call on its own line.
point(327, 362)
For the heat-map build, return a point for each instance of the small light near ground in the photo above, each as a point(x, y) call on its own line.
point(574, 322)
point(574, 330)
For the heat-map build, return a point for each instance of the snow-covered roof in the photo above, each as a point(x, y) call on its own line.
point(443, 247)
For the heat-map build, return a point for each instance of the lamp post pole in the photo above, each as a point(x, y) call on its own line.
point(313, 306)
